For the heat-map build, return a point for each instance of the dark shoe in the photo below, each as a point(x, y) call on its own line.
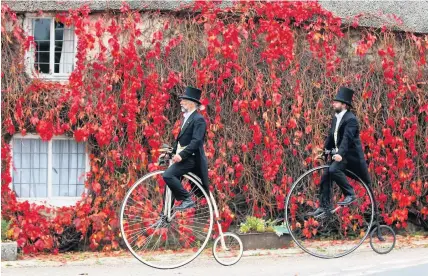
point(348, 200)
point(318, 212)
point(186, 204)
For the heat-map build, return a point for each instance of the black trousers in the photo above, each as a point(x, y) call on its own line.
point(173, 174)
point(336, 173)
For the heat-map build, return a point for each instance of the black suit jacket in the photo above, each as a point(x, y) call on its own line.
point(192, 136)
point(349, 144)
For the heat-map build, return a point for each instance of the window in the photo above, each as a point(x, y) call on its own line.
point(53, 55)
point(48, 170)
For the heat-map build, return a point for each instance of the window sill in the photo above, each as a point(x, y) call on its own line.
point(53, 78)
point(52, 202)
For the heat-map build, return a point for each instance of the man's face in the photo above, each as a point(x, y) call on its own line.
point(338, 106)
point(187, 105)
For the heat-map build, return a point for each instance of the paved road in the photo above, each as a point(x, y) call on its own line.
point(362, 262)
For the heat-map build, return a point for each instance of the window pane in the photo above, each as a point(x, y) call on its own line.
point(35, 176)
point(43, 161)
point(80, 189)
point(43, 47)
point(25, 190)
point(73, 176)
point(35, 146)
point(42, 67)
point(44, 146)
point(73, 147)
point(56, 146)
point(16, 159)
point(35, 160)
point(16, 176)
point(26, 160)
point(55, 190)
point(81, 147)
point(59, 31)
point(63, 161)
point(55, 175)
point(41, 27)
point(81, 161)
point(41, 32)
point(25, 176)
point(63, 190)
point(16, 144)
point(73, 161)
point(63, 176)
point(42, 190)
point(26, 145)
point(64, 146)
point(17, 189)
point(44, 176)
point(58, 52)
point(72, 190)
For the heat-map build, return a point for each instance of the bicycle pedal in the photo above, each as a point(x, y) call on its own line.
point(324, 215)
point(321, 216)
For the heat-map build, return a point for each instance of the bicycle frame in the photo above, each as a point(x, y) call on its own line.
point(168, 205)
point(376, 222)
point(168, 212)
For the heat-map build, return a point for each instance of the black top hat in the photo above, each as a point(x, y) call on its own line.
point(192, 94)
point(345, 95)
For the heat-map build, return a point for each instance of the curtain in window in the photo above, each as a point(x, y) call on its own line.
point(30, 167)
point(64, 49)
point(67, 56)
point(68, 168)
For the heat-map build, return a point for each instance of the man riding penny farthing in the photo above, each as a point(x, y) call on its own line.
point(331, 221)
point(167, 216)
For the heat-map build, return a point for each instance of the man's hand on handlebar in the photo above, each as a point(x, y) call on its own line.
point(325, 153)
point(176, 158)
point(337, 157)
point(166, 152)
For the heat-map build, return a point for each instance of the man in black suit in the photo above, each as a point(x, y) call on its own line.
point(344, 141)
point(189, 154)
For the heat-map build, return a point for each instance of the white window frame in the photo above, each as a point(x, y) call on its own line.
point(29, 56)
point(58, 201)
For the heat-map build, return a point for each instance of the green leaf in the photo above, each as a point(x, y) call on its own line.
point(281, 230)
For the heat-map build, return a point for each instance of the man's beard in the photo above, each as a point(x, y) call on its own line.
point(338, 110)
point(183, 109)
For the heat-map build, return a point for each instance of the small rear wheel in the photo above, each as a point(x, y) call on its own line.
point(229, 252)
point(382, 239)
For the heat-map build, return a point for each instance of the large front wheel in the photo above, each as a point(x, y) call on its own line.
point(159, 241)
point(339, 231)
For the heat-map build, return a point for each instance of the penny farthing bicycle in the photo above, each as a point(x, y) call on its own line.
point(161, 237)
point(341, 229)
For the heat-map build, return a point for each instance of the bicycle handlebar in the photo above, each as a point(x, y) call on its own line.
point(166, 156)
point(326, 153)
